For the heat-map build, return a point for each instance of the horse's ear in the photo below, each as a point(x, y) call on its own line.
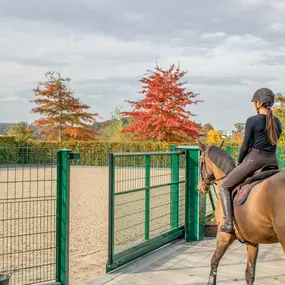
point(201, 146)
point(222, 143)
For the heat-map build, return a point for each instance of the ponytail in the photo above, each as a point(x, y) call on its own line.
point(271, 127)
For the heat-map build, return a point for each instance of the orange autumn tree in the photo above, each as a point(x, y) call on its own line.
point(161, 115)
point(62, 115)
point(213, 137)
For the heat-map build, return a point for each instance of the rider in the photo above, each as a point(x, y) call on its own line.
point(262, 132)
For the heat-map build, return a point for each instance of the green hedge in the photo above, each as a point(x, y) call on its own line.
point(92, 153)
point(8, 140)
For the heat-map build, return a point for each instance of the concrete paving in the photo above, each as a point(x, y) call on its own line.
point(188, 263)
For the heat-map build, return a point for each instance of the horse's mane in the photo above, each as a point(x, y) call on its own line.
point(221, 159)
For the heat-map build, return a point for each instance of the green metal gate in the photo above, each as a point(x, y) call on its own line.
point(34, 214)
point(147, 203)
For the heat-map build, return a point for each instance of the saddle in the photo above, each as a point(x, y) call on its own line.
point(242, 191)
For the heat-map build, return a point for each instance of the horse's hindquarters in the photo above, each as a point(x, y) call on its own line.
point(255, 218)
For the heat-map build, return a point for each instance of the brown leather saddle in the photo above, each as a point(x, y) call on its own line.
point(242, 191)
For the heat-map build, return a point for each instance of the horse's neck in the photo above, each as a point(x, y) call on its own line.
point(218, 173)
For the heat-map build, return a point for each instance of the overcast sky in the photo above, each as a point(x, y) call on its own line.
point(230, 48)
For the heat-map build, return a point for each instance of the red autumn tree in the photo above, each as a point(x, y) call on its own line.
point(63, 115)
point(161, 115)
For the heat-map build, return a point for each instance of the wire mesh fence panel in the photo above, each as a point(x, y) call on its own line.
point(281, 157)
point(27, 214)
point(148, 202)
point(233, 151)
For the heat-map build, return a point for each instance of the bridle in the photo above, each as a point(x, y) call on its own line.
point(208, 179)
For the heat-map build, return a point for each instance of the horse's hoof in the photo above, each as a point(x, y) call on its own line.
point(212, 279)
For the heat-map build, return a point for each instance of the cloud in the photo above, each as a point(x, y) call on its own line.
point(224, 81)
point(34, 61)
point(229, 49)
point(214, 35)
point(274, 60)
point(13, 99)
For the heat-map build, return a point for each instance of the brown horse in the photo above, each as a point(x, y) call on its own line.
point(260, 220)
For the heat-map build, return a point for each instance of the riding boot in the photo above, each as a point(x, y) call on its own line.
point(228, 211)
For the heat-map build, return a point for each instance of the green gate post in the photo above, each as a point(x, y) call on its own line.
point(62, 214)
point(174, 203)
point(106, 156)
point(195, 202)
point(147, 201)
point(111, 218)
point(78, 150)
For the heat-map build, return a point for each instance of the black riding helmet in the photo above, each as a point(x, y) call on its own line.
point(264, 95)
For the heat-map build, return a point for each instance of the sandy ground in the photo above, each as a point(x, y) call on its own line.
point(89, 223)
point(27, 224)
point(89, 219)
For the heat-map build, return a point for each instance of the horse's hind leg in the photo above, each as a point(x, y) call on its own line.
point(223, 242)
point(252, 252)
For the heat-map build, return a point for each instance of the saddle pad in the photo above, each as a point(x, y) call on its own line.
point(241, 193)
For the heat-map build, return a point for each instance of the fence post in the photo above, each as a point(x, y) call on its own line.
point(62, 214)
point(279, 156)
point(78, 150)
point(147, 201)
point(174, 203)
point(229, 150)
point(195, 202)
point(106, 156)
point(212, 200)
point(111, 217)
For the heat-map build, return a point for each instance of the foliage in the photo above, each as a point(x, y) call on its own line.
point(213, 219)
point(230, 142)
point(95, 153)
point(207, 127)
point(63, 115)
point(22, 132)
point(213, 137)
point(8, 140)
point(237, 137)
point(240, 127)
point(161, 115)
point(113, 130)
point(279, 112)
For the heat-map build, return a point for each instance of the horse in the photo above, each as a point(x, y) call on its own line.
point(260, 220)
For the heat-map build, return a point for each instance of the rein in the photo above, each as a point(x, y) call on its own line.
point(210, 179)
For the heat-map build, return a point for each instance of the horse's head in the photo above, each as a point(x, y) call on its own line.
point(206, 171)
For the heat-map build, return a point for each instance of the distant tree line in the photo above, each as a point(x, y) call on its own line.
point(161, 114)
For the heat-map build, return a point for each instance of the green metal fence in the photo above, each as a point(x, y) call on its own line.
point(149, 207)
point(33, 214)
point(147, 203)
point(91, 155)
point(233, 151)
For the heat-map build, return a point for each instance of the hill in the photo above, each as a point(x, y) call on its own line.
point(4, 127)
